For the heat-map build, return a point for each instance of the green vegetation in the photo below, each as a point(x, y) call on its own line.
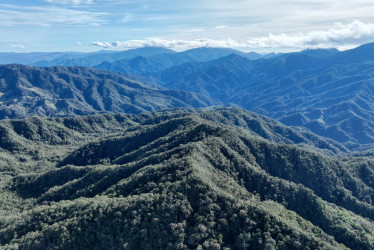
point(180, 179)
point(327, 91)
point(68, 91)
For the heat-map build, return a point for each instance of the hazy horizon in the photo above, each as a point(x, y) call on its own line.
point(259, 26)
point(122, 50)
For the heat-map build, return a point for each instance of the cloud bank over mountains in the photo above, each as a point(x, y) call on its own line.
point(248, 24)
point(342, 36)
point(171, 44)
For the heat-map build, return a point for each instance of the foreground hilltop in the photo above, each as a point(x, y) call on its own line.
point(181, 179)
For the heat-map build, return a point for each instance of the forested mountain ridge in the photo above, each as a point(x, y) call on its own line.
point(326, 91)
point(32, 137)
point(177, 179)
point(62, 91)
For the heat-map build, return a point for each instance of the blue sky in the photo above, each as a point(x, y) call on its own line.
point(249, 25)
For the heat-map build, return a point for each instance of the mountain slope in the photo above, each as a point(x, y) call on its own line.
point(363, 53)
point(177, 179)
point(235, 69)
point(328, 92)
point(335, 102)
point(217, 78)
point(61, 91)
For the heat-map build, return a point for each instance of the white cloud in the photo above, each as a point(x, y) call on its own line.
point(342, 36)
point(45, 16)
point(172, 44)
point(78, 44)
point(74, 2)
point(17, 46)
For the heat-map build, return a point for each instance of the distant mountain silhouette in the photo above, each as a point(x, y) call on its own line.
point(92, 59)
point(35, 57)
point(146, 65)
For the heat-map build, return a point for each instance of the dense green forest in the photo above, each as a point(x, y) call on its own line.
point(180, 179)
point(207, 125)
point(27, 91)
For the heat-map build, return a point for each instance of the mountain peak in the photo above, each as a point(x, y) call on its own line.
point(362, 53)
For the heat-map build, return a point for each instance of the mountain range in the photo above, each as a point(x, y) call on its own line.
point(179, 179)
point(324, 90)
point(145, 65)
point(327, 91)
point(63, 91)
point(209, 148)
point(95, 58)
